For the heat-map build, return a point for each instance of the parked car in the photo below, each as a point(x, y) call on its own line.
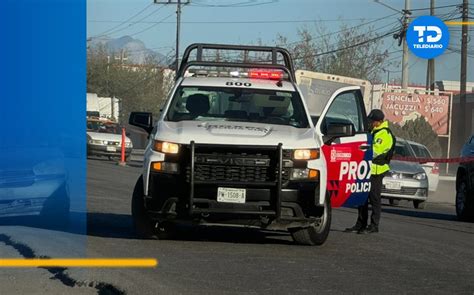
point(465, 184)
point(33, 182)
point(104, 138)
point(468, 148)
point(405, 180)
point(431, 168)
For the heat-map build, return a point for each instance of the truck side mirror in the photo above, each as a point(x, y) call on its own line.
point(339, 129)
point(142, 119)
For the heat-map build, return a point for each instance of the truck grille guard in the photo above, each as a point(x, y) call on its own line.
point(276, 185)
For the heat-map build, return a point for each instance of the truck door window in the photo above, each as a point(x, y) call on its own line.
point(345, 108)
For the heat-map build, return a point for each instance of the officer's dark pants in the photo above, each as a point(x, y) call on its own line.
point(375, 201)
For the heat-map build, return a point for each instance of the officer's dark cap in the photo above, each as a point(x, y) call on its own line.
point(376, 115)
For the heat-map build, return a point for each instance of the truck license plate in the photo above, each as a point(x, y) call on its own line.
point(393, 185)
point(111, 149)
point(230, 195)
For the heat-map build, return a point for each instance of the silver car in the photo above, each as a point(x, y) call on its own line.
point(405, 180)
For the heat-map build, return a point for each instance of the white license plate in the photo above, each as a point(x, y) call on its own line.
point(231, 195)
point(111, 149)
point(393, 185)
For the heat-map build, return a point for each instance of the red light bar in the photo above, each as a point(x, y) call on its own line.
point(266, 74)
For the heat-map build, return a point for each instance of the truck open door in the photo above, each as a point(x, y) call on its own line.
point(339, 115)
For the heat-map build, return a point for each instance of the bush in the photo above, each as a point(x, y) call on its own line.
point(419, 130)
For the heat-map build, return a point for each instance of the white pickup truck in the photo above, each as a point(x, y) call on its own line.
point(238, 143)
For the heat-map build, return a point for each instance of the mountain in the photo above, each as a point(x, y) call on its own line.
point(135, 49)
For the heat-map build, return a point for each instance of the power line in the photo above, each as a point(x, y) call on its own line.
point(242, 22)
point(347, 47)
point(137, 22)
point(437, 7)
point(126, 21)
point(349, 28)
point(248, 3)
point(152, 26)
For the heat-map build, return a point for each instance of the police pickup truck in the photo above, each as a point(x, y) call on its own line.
point(238, 143)
point(465, 183)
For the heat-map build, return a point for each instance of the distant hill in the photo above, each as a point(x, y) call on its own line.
point(135, 49)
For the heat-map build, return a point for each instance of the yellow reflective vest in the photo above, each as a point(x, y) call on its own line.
point(382, 142)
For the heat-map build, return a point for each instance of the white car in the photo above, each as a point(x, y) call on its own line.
point(431, 168)
point(237, 145)
point(105, 139)
point(33, 182)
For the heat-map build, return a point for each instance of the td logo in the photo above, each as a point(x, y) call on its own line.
point(427, 37)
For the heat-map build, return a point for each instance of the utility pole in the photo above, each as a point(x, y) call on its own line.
point(406, 15)
point(462, 100)
point(402, 38)
point(430, 71)
point(178, 4)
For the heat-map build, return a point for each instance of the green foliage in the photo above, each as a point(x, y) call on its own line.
point(138, 87)
point(420, 131)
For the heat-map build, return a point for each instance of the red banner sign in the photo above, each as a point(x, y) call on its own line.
point(402, 107)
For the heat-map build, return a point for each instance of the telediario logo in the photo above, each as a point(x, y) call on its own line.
point(427, 37)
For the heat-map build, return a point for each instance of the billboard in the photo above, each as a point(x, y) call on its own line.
point(400, 107)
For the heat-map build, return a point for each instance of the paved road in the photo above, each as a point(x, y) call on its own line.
point(417, 251)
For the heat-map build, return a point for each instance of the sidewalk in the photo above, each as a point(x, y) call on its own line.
point(447, 178)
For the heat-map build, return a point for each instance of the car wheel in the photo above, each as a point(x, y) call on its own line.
point(394, 202)
point(315, 234)
point(464, 207)
point(419, 204)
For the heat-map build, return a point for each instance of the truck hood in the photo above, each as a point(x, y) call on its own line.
point(238, 133)
point(405, 167)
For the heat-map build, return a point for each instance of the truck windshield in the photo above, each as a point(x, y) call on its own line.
point(237, 104)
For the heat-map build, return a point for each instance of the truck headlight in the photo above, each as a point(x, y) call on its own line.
point(165, 167)
point(298, 174)
point(166, 147)
point(306, 154)
point(420, 176)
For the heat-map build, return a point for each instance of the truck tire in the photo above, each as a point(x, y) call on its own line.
point(464, 203)
point(314, 234)
point(142, 223)
point(419, 204)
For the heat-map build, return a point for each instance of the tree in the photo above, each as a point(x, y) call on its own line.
point(419, 130)
point(137, 87)
point(362, 56)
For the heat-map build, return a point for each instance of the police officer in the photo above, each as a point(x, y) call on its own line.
point(383, 143)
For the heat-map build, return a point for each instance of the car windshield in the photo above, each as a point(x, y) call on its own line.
point(103, 127)
point(402, 149)
point(237, 104)
point(420, 151)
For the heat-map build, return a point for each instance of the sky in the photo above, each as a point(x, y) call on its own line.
point(246, 21)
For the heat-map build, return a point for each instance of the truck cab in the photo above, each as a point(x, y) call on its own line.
point(237, 145)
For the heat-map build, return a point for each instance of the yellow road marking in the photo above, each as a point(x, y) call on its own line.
point(79, 262)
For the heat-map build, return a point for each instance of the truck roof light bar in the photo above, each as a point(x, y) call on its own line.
point(287, 65)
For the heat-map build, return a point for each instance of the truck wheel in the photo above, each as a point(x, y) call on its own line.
point(464, 206)
point(142, 223)
point(419, 204)
point(315, 234)
point(394, 202)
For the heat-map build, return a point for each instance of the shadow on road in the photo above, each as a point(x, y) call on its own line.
point(119, 226)
point(110, 225)
point(420, 214)
point(75, 225)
